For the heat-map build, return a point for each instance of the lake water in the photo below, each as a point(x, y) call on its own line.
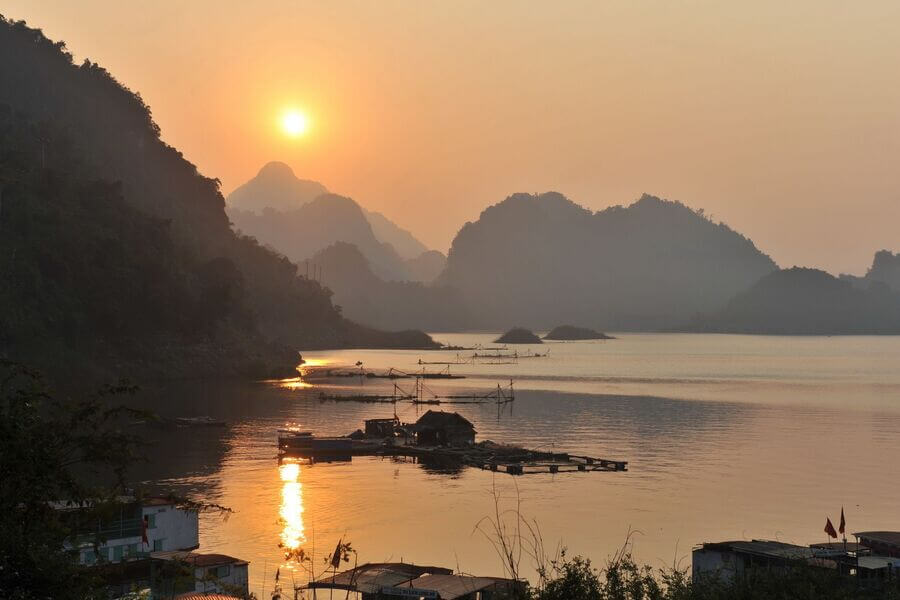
point(726, 436)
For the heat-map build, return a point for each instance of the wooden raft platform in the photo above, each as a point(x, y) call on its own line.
point(508, 459)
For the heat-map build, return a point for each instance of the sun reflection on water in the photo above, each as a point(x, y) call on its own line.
point(291, 512)
point(294, 383)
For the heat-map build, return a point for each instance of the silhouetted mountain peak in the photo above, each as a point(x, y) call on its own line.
point(276, 170)
point(337, 203)
point(276, 187)
point(549, 204)
point(799, 277)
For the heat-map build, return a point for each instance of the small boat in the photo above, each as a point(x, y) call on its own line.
point(305, 443)
point(203, 421)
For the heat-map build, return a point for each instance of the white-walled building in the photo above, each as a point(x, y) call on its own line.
point(170, 527)
point(166, 526)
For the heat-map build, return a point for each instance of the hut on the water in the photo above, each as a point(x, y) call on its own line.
point(439, 428)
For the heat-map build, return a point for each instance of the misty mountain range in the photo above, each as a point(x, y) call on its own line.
point(116, 255)
point(653, 265)
point(299, 217)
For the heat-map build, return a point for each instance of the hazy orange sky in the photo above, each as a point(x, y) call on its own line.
point(780, 118)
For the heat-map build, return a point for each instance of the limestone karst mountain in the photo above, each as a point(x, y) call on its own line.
point(542, 259)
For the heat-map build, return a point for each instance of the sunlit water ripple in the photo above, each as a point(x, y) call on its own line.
point(726, 437)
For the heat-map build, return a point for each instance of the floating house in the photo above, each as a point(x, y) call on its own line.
point(381, 428)
point(390, 581)
point(439, 428)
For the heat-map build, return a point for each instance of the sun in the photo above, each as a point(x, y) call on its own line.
point(294, 123)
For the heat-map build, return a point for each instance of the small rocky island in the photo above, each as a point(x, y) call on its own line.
point(518, 335)
point(570, 332)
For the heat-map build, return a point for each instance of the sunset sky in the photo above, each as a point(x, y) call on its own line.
point(780, 118)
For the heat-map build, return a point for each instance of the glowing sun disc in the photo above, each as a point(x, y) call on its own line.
point(294, 123)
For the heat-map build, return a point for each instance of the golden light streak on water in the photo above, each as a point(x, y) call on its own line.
point(291, 511)
point(294, 383)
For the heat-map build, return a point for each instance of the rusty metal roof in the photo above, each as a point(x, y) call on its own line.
point(449, 587)
point(371, 577)
point(197, 559)
point(890, 538)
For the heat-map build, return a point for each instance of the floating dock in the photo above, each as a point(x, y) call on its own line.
point(487, 456)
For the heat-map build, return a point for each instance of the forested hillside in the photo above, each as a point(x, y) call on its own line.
point(117, 254)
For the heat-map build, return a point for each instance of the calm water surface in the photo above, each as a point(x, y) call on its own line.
point(726, 437)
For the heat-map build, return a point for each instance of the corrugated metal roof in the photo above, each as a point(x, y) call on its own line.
point(765, 548)
point(197, 559)
point(891, 538)
point(199, 596)
point(371, 577)
point(449, 587)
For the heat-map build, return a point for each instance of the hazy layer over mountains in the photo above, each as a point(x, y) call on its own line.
point(388, 304)
point(300, 217)
point(116, 253)
point(801, 301)
point(543, 260)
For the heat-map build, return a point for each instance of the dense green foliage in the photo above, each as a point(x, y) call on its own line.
point(49, 449)
point(624, 579)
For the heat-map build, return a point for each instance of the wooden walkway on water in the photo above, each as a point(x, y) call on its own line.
point(488, 456)
point(511, 460)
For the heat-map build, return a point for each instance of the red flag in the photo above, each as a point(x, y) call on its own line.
point(144, 539)
point(843, 526)
point(336, 557)
point(829, 528)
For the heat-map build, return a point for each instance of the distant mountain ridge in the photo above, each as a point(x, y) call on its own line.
point(366, 298)
point(275, 187)
point(406, 245)
point(885, 268)
point(542, 259)
point(299, 233)
point(278, 189)
point(801, 301)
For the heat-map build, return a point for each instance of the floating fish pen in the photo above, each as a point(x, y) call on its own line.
point(514, 460)
point(515, 355)
point(422, 394)
point(399, 395)
point(486, 456)
point(391, 373)
point(498, 396)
